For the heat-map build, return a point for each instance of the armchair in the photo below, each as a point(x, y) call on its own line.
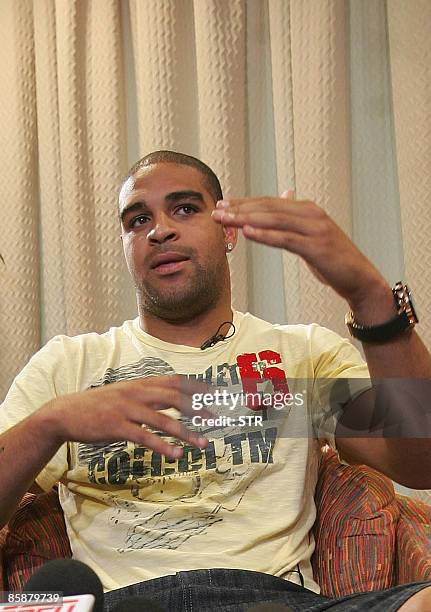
point(367, 537)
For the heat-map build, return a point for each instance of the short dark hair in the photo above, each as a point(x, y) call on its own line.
point(173, 157)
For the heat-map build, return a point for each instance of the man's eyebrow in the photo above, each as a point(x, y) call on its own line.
point(172, 197)
point(136, 207)
point(184, 195)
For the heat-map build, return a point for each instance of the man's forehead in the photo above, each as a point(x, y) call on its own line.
point(127, 188)
point(178, 177)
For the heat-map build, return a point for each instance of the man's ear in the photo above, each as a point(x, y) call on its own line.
point(230, 236)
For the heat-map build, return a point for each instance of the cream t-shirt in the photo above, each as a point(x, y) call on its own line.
point(246, 501)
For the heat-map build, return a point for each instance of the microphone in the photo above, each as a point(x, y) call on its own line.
point(74, 603)
point(218, 337)
point(135, 604)
point(69, 577)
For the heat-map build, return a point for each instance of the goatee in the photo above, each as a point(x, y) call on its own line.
point(200, 292)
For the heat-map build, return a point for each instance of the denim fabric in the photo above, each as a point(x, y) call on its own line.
point(234, 590)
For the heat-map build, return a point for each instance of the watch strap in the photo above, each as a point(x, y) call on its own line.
point(378, 333)
point(404, 319)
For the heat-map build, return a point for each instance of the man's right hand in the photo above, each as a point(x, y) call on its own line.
point(114, 412)
point(120, 411)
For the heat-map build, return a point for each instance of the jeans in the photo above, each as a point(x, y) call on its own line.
point(234, 590)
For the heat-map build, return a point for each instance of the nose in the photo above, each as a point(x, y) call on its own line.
point(161, 233)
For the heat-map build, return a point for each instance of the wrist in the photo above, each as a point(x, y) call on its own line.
point(375, 305)
point(49, 421)
point(370, 329)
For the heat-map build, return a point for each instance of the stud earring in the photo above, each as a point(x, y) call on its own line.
point(229, 247)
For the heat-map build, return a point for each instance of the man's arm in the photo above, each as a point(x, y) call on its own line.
point(24, 450)
point(106, 414)
point(304, 228)
point(406, 460)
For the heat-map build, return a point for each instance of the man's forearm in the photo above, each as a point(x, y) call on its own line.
point(24, 451)
point(398, 413)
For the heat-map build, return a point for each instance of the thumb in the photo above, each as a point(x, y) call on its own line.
point(290, 194)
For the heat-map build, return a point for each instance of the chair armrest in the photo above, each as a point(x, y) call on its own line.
point(36, 534)
point(354, 528)
point(413, 546)
point(3, 535)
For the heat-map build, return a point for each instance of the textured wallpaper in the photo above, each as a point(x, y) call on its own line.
point(329, 98)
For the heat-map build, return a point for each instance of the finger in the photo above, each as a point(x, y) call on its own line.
point(272, 220)
point(291, 241)
point(188, 386)
point(140, 435)
point(270, 205)
point(161, 392)
point(161, 397)
point(260, 201)
point(289, 195)
point(180, 382)
point(166, 424)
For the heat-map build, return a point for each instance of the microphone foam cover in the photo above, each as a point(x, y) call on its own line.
point(70, 577)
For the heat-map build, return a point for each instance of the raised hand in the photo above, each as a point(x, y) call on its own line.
point(304, 228)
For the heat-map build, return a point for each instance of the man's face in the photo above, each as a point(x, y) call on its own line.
point(175, 252)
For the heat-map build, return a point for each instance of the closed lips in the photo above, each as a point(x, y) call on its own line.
point(167, 258)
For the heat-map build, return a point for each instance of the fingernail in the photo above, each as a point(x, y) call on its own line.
point(177, 452)
point(289, 193)
point(222, 204)
point(220, 214)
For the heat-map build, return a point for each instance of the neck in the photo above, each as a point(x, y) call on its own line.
point(193, 332)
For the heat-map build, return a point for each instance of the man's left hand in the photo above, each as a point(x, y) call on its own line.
point(302, 227)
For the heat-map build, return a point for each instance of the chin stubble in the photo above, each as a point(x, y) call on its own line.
point(199, 294)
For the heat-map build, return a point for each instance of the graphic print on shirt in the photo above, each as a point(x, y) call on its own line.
point(201, 486)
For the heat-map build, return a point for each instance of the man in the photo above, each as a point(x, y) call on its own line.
point(142, 509)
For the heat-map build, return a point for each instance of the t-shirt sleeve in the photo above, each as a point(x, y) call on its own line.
point(340, 375)
point(42, 379)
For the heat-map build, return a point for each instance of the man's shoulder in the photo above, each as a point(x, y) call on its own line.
point(298, 339)
point(300, 330)
point(114, 334)
point(72, 352)
point(72, 363)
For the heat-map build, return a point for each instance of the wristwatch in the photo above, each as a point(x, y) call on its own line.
point(405, 319)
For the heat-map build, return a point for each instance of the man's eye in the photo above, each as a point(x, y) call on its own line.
point(186, 209)
point(137, 221)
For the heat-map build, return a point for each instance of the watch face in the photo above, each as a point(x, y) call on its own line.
point(405, 302)
point(412, 314)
